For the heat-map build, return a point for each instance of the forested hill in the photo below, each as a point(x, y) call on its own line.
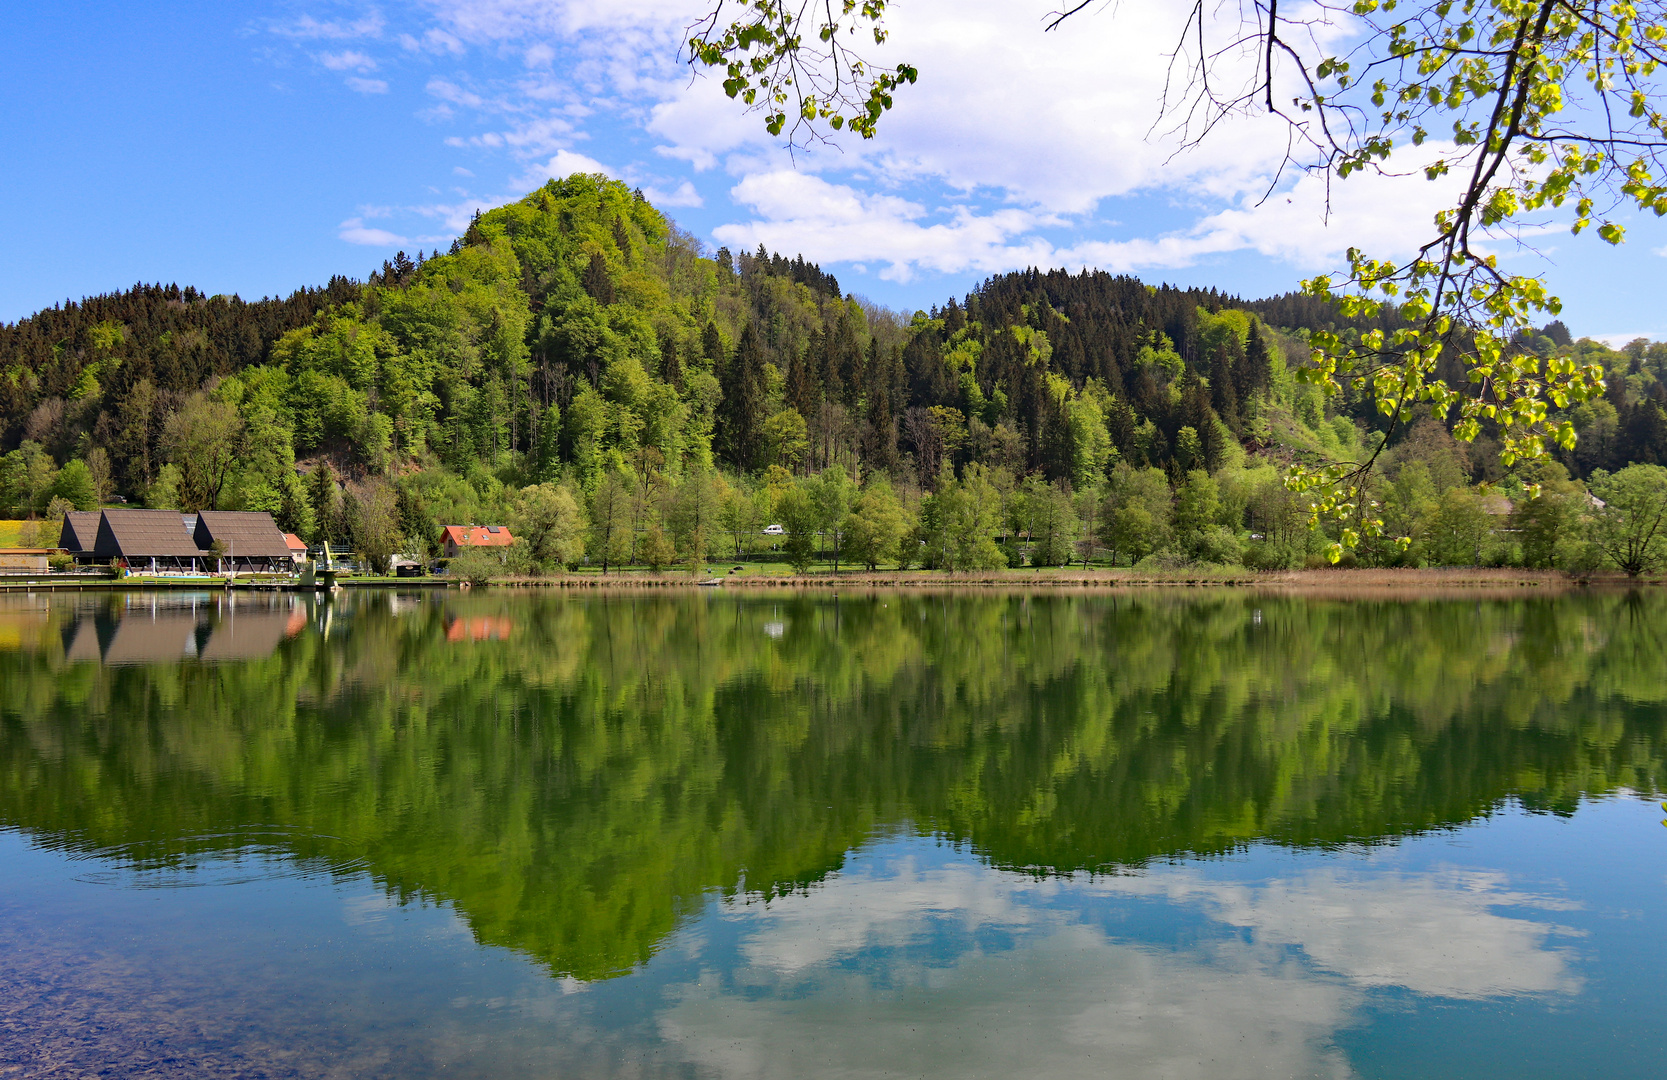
point(578, 332)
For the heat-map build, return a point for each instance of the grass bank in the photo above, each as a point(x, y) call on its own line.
point(1355, 580)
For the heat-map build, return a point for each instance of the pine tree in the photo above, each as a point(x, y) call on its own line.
point(1224, 397)
point(671, 362)
point(741, 411)
point(801, 377)
point(712, 348)
point(1254, 372)
point(597, 282)
point(880, 435)
point(1197, 414)
point(326, 504)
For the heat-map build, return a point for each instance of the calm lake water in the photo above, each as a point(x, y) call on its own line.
point(1147, 834)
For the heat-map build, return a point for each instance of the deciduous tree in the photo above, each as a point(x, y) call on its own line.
point(1628, 527)
point(547, 519)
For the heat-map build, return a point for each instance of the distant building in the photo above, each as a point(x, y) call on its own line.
point(79, 533)
point(147, 540)
point(458, 537)
point(151, 540)
point(250, 540)
point(297, 547)
point(1497, 506)
point(25, 560)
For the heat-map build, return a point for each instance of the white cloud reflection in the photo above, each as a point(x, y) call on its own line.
point(1438, 934)
point(854, 979)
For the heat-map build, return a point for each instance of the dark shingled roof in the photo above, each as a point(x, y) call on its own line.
point(80, 531)
point(143, 534)
point(246, 534)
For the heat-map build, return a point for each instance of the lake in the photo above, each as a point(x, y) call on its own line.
point(1168, 833)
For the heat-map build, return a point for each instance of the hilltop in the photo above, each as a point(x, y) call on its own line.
point(577, 334)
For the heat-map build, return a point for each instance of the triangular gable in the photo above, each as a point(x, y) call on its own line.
point(79, 532)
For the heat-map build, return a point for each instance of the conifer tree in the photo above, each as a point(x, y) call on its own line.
point(597, 282)
point(712, 348)
point(1224, 396)
point(741, 412)
point(326, 504)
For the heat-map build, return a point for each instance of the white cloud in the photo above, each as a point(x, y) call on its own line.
point(367, 86)
point(349, 60)
point(450, 92)
point(797, 211)
point(1056, 120)
point(836, 222)
point(1031, 125)
point(531, 139)
point(683, 195)
point(491, 21)
point(1004, 155)
point(1618, 341)
point(432, 41)
point(306, 27)
point(564, 164)
point(454, 217)
point(1304, 224)
point(355, 231)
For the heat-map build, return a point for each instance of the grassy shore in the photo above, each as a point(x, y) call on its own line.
point(767, 577)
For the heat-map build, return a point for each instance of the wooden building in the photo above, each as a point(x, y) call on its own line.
point(79, 533)
point(147, 541)
point(248, 540)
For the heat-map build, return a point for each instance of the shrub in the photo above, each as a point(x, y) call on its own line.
point(476, 566)
point(1164, 560)
point(657, 550)
point(1219, 544)
point(1268, 555)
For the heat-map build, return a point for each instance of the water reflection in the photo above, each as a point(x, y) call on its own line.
point(619, 758)
point(154, 628)
point(1439, 934)
point(954, 970)
point(994, 834)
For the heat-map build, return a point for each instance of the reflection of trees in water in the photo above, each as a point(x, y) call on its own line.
point(578, 784)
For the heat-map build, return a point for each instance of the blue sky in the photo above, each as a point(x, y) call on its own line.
point(257, 147)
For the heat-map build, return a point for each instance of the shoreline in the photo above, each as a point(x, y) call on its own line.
point(1354, 581)
point(1465, 578)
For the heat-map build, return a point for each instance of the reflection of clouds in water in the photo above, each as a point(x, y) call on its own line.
point(847, 981)
point(1434, 934)
point(863, 912)
point(1070, 1004)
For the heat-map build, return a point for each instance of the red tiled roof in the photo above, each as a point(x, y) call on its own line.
point(295, 542)
point(479, 535)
